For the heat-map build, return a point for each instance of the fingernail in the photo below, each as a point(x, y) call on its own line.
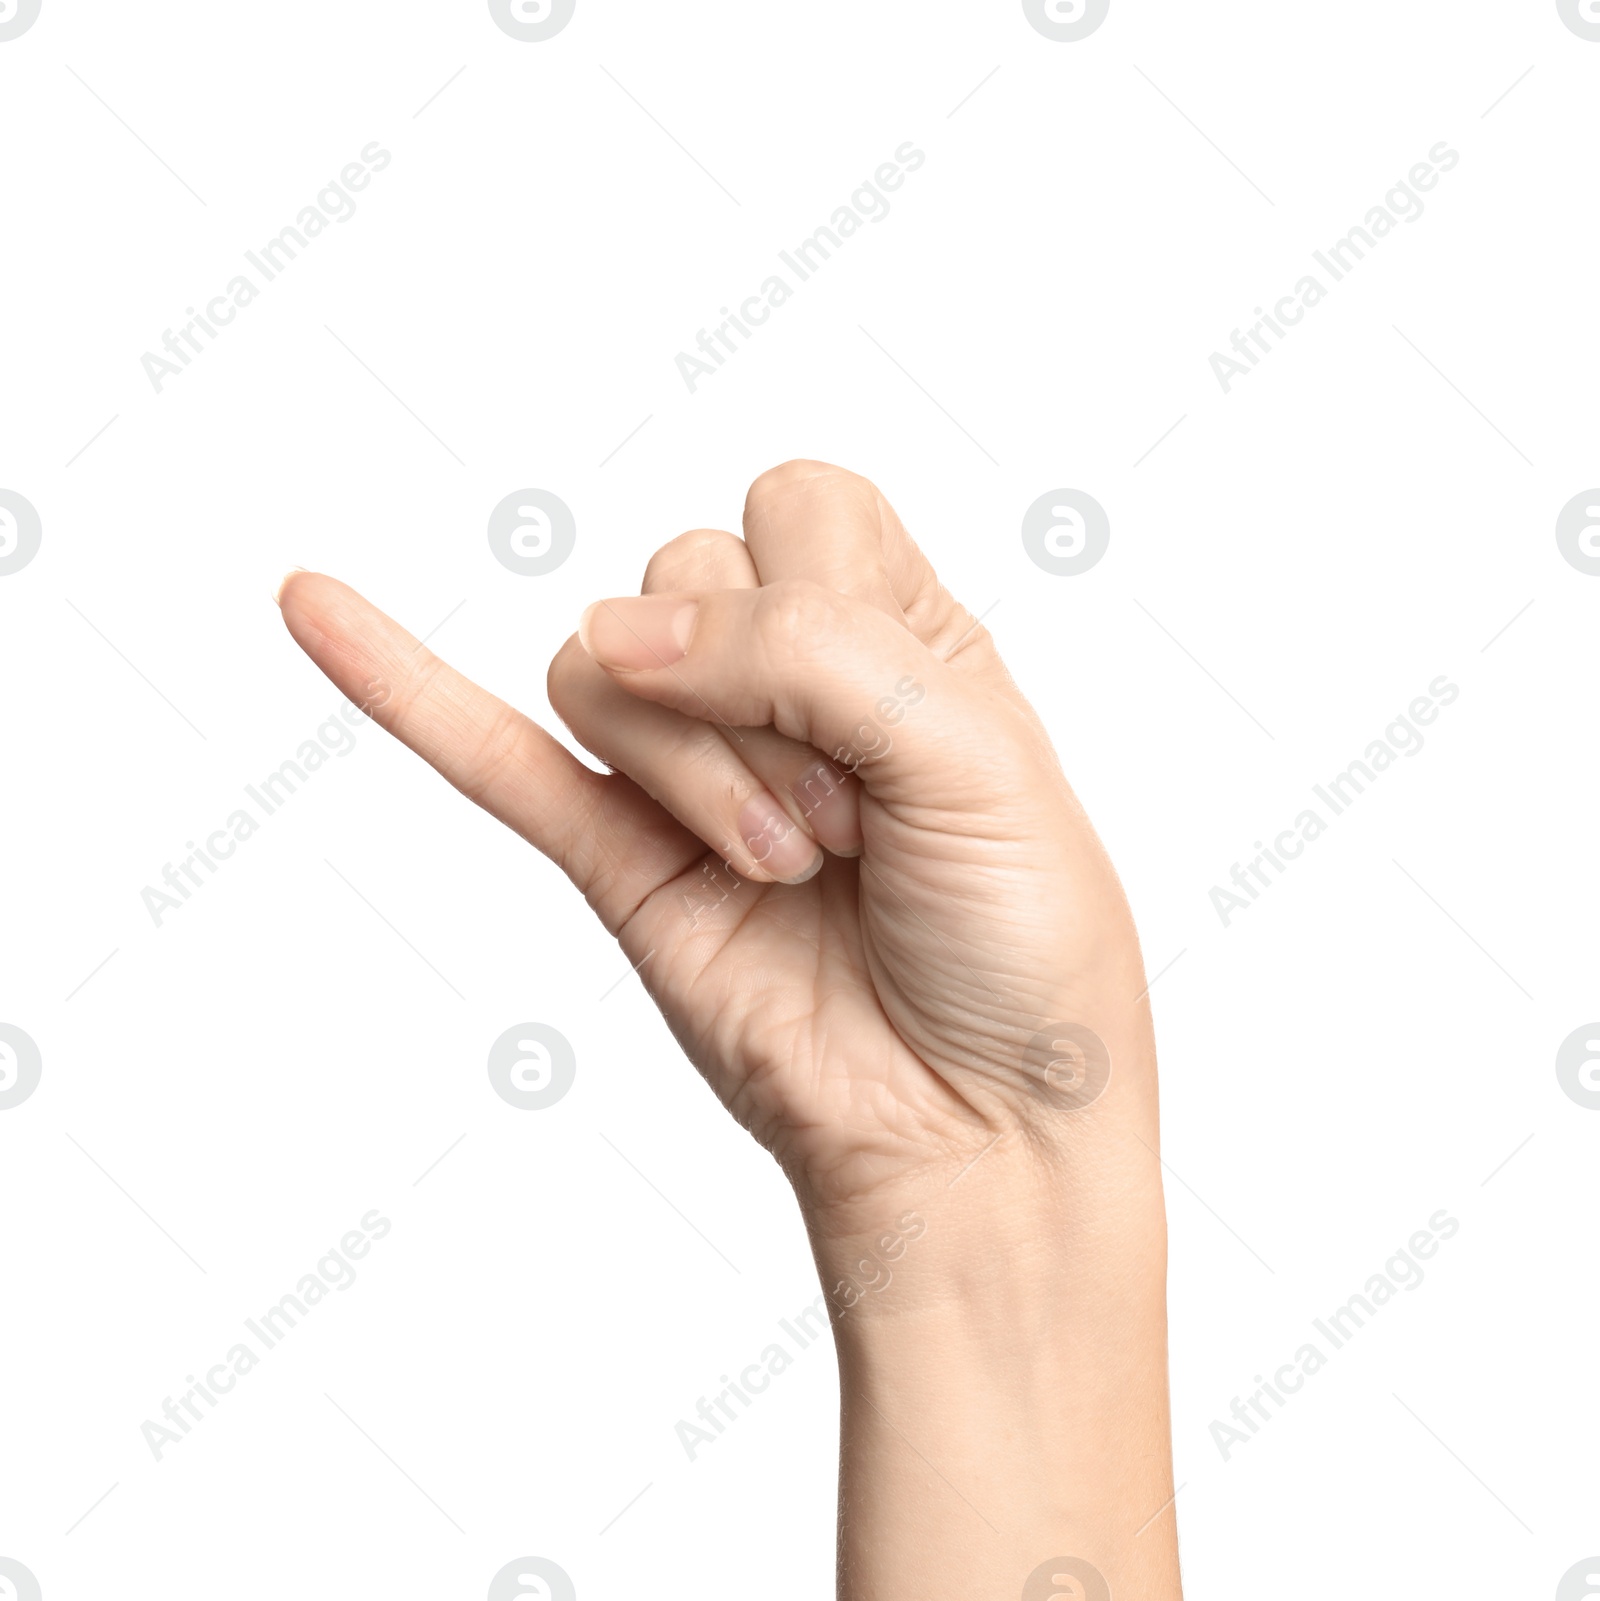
point(283, 583)
point(776, 843)
point(638, 632)
point(831, 806)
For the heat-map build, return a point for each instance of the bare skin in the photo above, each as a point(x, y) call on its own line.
point(880, 925)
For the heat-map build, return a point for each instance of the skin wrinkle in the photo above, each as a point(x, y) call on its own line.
point(497, 749)
point(621, 930)
point(869, 1026)
point(761, 761)
point(819, 1055)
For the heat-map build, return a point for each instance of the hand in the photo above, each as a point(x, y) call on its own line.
point(836, 718)
point(904, 961)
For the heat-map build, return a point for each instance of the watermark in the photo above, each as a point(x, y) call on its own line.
point(711, 889)
point(1065, 532)
point(334, 1271)
point(1066, 21)
point(335, 202)
point(532, 21)
point(1581, 1582)
point(1066, 1579)
point(17, 1581)
point(531, 532)
point(1401, 738)
point(869, 203)
point(21, 532)
point(1403, 1271)
point(872, 1272)
point(719, 880)
point(532, 1066)
point(16, 17)
point(1068, 1064)
point(718, 1414)
point(819, 782)
point(1577, 532)
point(868, 740)
point(1582, 16)
point(21, 1066)
point(1577, 1066)
point(532, 1579)
point(333, 738)
point(1403, 203)
point(869, 1274)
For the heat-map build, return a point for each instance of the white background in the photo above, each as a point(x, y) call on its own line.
point(229, 1093)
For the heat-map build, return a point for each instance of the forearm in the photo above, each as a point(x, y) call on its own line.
point(1004, 1402)
point(942, 1035)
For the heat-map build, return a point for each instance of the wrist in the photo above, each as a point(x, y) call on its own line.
point(1002, 1357)
point(1022, 1235)
point(1004, 1295)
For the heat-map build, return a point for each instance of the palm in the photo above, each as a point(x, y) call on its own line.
point(771, 994)
point(883, 1015)
point(855, 1024)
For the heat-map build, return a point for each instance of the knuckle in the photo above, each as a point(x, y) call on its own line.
point(497, 748)
point(692, 560)
point(797, 618)
point(405, 708)
point(781, 484)
point(691, 745)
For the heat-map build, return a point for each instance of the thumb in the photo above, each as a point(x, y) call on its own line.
point(822, 667)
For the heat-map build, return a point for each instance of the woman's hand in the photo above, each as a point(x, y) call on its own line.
point(877, 1025)
point(840, 852)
